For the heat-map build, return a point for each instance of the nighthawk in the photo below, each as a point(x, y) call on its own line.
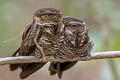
point(41, 37)
point(49, 34)
point(76, 44)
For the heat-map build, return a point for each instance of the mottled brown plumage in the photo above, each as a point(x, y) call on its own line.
point(76, 44)
point(40, 37)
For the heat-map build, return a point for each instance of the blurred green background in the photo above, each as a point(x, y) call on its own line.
point(102, 17)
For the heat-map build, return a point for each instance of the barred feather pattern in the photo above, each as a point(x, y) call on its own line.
point(46, 29)
point(66, 52)
point(76, 45)
point(50, 43)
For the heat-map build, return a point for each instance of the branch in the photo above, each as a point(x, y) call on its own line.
point(31, 59)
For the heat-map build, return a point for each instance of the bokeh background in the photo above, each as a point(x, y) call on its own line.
point(102, 17)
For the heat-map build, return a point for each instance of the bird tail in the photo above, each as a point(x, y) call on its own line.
point(14, 66)
point(28, 69)
point(59, 68)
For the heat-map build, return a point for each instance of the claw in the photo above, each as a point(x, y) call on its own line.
point(37, 55)
point(44, 58)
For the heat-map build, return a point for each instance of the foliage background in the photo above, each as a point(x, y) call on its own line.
point(102, 17)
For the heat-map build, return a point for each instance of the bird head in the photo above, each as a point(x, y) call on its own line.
point(76, 31)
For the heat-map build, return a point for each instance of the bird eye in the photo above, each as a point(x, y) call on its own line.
point(49, 14)
point(48, 26)
point(74, 26)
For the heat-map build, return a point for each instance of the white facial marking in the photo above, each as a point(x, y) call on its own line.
point(68, 32)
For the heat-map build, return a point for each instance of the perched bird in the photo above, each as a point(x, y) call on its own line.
point(40, 37)
point(76, 44)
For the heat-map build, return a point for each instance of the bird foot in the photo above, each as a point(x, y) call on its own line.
point(44, 58)
point(86, 57)
point(37, 55)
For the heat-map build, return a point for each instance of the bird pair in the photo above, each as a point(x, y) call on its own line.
point(52, 34)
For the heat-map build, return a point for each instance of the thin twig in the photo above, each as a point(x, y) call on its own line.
point(32, 59)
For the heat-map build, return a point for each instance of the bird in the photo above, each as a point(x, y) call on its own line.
point(76, 44)
point(40, 37)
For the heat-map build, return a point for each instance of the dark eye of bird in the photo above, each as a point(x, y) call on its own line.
point(50, 14)
point(73, 25)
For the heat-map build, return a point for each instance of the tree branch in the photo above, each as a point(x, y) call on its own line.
point(32, 59)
